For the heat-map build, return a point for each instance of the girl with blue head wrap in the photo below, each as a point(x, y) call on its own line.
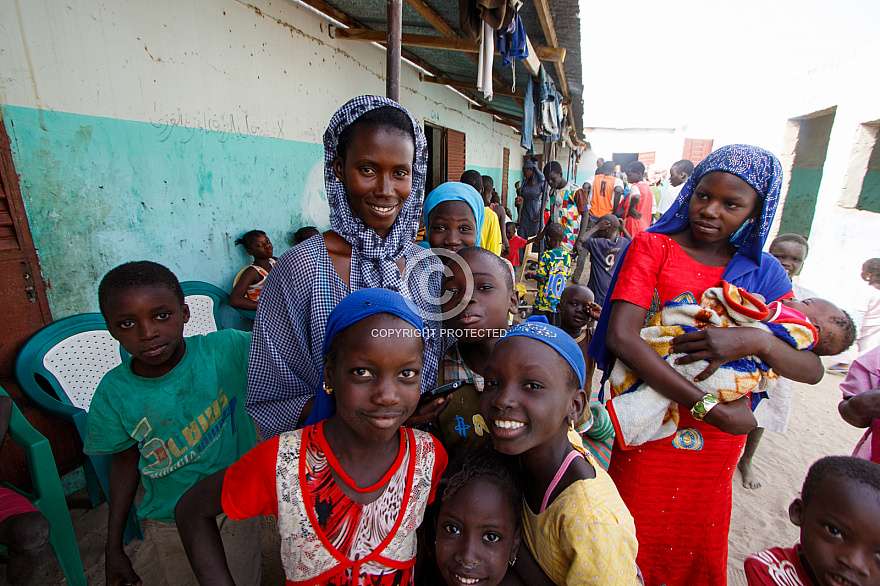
point(371, 143)
point(575, 523)
point(453, 215)
point(349, 491)
point(715, 230)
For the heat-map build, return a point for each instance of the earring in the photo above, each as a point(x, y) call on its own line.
point(328, 389)
point(571, 424)
point(512, 562)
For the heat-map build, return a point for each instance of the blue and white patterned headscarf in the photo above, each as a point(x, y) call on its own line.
point(373, 260)
point(751, 268)
point(754, 165)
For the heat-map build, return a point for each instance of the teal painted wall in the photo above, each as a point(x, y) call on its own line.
point(869, 198)
point(800, 203)
point(100, 191)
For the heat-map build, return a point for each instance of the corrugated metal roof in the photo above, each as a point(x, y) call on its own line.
point(456, 65)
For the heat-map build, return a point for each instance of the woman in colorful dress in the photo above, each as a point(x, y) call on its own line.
point(679, 489)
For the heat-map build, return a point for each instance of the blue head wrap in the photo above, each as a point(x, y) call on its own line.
point(751, 268)
point(455, 191)
point(537, 328)
point(353, 308)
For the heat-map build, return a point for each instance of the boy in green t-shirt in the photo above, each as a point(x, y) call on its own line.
point(171, 415)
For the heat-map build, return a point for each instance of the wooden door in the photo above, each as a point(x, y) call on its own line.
point(24, 309)
point(455, 154)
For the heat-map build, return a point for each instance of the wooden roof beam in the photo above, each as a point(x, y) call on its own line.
point(546, 19)
point(468, 85)
point(503, 115)
point(443, 27)
point(432, 42)
point(350, 22)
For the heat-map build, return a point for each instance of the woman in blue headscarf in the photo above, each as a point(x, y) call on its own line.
point(679, 489)
point(531, 192)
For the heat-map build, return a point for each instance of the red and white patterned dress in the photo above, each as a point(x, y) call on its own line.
point(327, 538)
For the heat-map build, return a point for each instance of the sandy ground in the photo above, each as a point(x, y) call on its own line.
point(760, 517)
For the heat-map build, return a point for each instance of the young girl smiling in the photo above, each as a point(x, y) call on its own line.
point(348, 492)
point(576, 525)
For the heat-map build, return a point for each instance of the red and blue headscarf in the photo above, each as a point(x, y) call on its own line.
point(751, 268)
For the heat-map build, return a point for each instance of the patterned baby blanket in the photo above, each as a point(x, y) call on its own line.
point(640, 414)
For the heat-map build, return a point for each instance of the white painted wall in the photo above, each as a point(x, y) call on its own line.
point(841, 238)
point(604, 142)
point(270, 70)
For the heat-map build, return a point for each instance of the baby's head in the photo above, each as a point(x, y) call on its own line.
point(478, 519)
point(453, 216)
point(835, 327)
point(533, 390)
point(510, 228)
point(481, 313)
point(143, 305)
point(839, 517)
point(373, 363)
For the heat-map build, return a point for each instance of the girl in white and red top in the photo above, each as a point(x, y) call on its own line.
point(349, 492)
point(246, 289)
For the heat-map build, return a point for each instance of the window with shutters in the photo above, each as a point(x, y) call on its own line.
point(505, 168)
point(455, 154)
point(697, 149)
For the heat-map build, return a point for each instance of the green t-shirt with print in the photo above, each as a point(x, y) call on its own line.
point(187, 424)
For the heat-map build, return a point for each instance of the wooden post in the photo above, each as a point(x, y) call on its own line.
point(392, 51)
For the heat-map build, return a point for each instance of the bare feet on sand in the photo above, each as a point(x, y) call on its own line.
point(745, 468)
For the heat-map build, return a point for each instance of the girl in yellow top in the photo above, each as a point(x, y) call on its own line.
point(576, 525)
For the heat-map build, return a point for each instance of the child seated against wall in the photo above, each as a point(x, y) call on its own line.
point(249, 281)
point(839, 517)
point(171, 414)
point(304, 234)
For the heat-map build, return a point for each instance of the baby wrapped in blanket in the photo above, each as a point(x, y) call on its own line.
point(640, 414)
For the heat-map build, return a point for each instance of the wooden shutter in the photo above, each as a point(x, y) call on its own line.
point(697, 149)
point(648, 158)
point(455, 154)
point(504, 170)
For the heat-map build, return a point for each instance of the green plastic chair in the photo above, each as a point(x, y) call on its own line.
point(72, 355)
point(204, 301)
point(47, 495)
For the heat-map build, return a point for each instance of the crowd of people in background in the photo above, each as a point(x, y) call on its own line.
point(412, 413)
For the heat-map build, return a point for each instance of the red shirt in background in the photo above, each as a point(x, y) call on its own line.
point(516, 244)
